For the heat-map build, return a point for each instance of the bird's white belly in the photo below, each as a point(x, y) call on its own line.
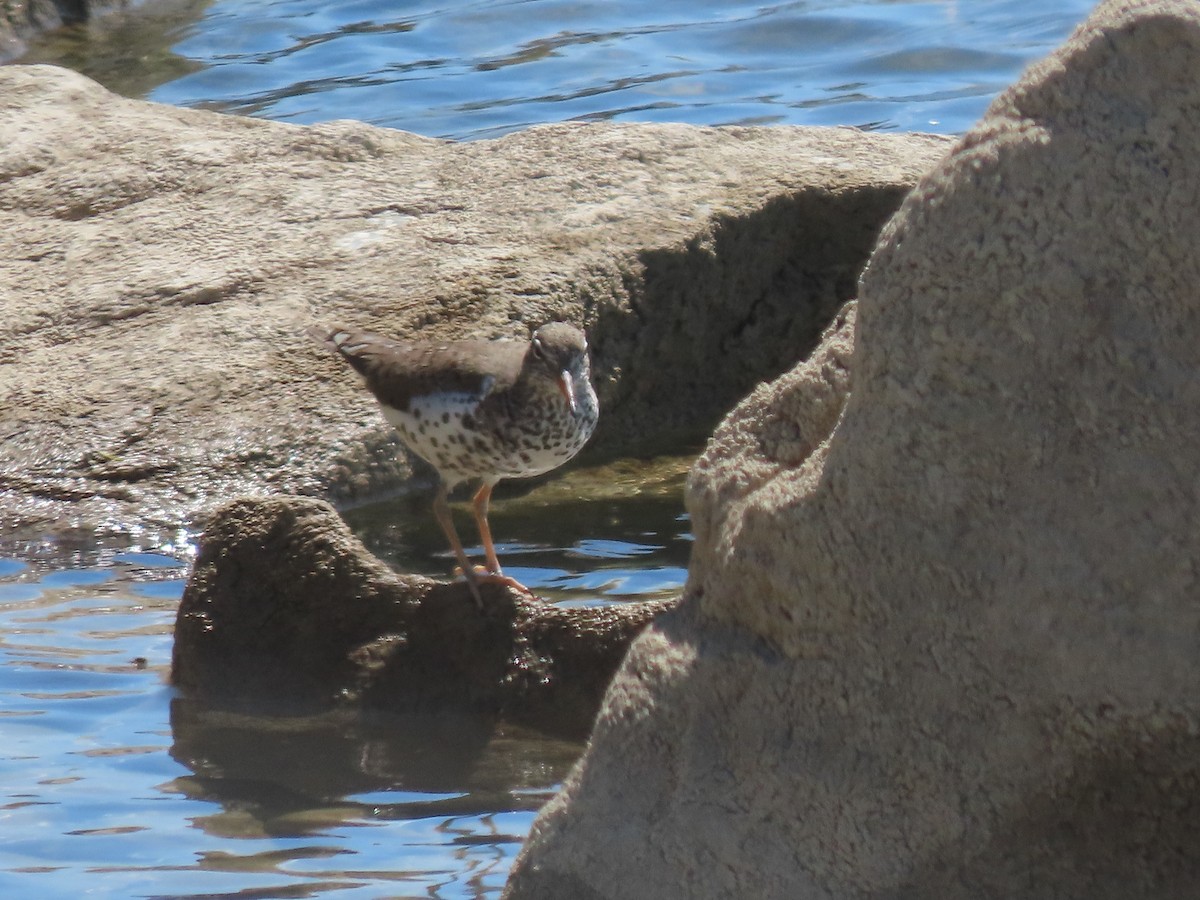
point(433, 429)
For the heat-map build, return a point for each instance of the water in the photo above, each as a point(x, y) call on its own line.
point(114, 785)
point(481, 68)
point(612, 534)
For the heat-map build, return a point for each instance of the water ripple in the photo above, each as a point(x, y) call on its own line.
point(481, 68)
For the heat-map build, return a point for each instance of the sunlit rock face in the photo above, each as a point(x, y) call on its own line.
point(159, 268)
point(941, 630)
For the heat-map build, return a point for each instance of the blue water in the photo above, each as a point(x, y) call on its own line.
point(481, 68)
point(112, 784)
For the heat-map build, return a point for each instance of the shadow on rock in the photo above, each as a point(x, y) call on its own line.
point(1079, 830)
point(712, 318)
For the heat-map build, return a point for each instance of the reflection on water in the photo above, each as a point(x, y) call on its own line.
point(481, 68)
point(431, 802)
point(113, 784)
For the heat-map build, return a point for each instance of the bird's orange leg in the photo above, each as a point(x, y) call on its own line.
point(441, 511)
point(494, 574)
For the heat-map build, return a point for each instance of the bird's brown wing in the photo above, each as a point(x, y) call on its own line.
point(396, 371)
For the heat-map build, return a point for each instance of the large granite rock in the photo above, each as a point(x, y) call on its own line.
point(158, 267)
point(941, 635)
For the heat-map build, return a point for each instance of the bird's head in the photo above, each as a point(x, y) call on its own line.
point(558, 351)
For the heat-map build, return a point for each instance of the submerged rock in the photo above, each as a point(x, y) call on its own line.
point(940, 637)
point(285, 605)
point(158, 268)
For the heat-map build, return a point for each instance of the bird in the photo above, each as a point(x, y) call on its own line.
point(479, 411)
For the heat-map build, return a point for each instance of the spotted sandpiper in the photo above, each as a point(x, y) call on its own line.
point(479, 410)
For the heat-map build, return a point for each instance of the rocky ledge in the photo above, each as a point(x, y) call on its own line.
point(159, 266)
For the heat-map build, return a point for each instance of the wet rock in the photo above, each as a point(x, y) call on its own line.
point(940, 635)
point(158, 268)
point(284, 604)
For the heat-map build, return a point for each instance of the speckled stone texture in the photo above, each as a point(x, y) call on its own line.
point(941, 633)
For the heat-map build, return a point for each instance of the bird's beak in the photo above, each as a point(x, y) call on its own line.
point(566, 387)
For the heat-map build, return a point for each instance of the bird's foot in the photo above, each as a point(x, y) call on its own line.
point(500, 578)
point(483, 575)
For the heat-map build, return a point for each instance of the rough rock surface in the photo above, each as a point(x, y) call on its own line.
point(284, 603)
point(948, 647)
point(158, 267)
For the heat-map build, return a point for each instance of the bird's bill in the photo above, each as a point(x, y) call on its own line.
point(566, 387)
